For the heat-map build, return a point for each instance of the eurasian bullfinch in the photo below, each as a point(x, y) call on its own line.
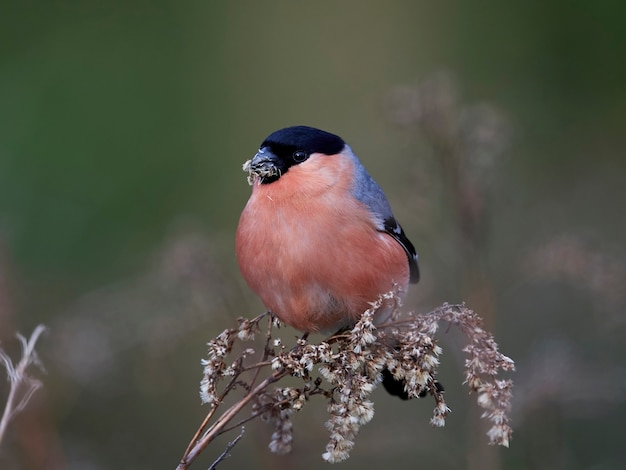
point(317, 240)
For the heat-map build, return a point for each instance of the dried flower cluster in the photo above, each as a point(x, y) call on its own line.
point(345, 369)
point(481, 369)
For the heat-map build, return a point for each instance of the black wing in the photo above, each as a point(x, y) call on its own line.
point(393, 228)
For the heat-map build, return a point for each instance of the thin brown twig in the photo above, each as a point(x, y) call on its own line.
point(258, 365)
point(224, 455)
point(218, 427)
point(243, 421)
point(209, 415)
point(203, 425)
point(266, 351)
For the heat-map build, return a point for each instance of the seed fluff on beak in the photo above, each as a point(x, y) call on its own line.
point(263, 167)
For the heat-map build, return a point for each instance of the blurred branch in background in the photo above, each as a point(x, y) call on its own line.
point(33, 439)
point(574, 374)
point(600, 271)
point(465, 144)
point(22, 384)
point(154, 311)
point(569, 299)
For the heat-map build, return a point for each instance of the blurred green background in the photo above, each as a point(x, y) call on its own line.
point(123, 128)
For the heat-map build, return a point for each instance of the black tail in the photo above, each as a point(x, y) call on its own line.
point(396, 387)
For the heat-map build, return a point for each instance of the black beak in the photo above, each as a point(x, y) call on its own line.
point(263, 162)
point(265, 166)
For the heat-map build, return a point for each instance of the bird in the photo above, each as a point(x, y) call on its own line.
point(317, 240)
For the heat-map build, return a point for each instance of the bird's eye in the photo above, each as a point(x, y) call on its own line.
point(300, 156)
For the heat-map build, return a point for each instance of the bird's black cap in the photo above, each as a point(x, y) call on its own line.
point(285, 142)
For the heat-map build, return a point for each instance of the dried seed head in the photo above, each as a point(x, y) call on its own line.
point(350, 366)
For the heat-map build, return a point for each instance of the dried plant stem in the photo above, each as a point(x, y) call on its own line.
point(202, 437)
point(229, 447)
point(22, 385)
point(198, 444)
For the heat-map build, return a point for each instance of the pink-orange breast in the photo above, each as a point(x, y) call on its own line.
point(312, 252)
